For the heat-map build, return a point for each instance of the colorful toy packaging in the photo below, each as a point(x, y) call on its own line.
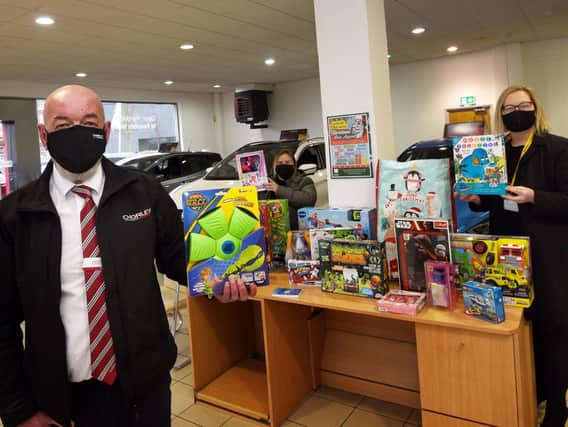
point(304, 272)
point(415, 189)
point(223, 237)
point(417, 241)
point(315, 235)
point(364, 221)
point(402, 302)
point(251, 167)
point(352, 267)
point(298, 246)
point(480, 165)
point(440, 287)
point(274, 216)
point(495, 260)
point(484, 301)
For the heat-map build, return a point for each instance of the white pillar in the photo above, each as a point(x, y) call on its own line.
point(354, 78)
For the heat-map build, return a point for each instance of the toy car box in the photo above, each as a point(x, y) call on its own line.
point(223, 238)
point(440, 287)
point(364, 221)
point(352, 267)
point(276, 225)
point(402, 302)
point(502, 261)
point(304, 272)
point(484, 301)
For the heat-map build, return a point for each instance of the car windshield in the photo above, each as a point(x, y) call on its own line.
point(227, 169)
point(142, 163)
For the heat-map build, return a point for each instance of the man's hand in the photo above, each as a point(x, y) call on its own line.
point(469, 198)
point(519, 194)
point(271, 186)
point(40, 419)
point(235, 290)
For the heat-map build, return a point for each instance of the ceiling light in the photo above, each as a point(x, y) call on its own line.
point(186, 46)
point(388, 55)
point(168, 82)
point(269, 61)
point(44, 20)
point(217, 86)
point(81, 75)
point(452, 49)
point(418, 30)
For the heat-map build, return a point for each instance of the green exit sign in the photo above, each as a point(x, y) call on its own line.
point(467, 100)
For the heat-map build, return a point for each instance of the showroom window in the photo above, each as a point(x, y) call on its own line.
point(135, 127)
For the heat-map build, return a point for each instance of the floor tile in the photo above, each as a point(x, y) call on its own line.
point(360, 418)
point(180, 422)
point(391, 410)
point(319, 412)
point(203, 416)
point(182, 342)
point(237, 422)
point(415, 418)
point(178, 374)
point(341, 396)
point(182, 397)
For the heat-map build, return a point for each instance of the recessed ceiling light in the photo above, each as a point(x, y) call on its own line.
point(81, 75)
point(44, 20)
point(269, 61)
point(418, 30)
point(168, 82)
point(186, 46)
point(388, 55)
point(217, 86)
point(452, 49)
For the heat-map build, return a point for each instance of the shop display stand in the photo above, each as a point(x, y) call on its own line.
point(456, 369)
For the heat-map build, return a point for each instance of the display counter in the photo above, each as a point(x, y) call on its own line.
point(455, 368)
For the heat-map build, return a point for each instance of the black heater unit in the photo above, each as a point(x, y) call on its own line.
point(251, 107)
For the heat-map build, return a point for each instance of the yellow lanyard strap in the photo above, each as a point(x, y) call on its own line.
point(525, 149)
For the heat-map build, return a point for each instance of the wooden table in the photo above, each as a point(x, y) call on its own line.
point(459, 370)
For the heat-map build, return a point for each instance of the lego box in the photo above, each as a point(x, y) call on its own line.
point(352, 267)
point(364, 221)
point(223, 238)
point(502, 261)
point(484, 301)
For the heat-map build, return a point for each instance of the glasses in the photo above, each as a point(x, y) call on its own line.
point(523, 106)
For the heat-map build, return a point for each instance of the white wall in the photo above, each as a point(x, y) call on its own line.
point(422, 91)
point(235, 134)
point(545, 66)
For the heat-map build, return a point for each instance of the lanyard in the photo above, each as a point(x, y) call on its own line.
point(525, 149)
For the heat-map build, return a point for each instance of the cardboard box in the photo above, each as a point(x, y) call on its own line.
point(484, 301)
point(402, 302)
point(364, 221)
point(276, 226)
point(304, 272)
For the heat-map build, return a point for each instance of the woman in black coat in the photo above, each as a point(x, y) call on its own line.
point(537, 206)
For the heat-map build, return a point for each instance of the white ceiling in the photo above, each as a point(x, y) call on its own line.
point(135, 43)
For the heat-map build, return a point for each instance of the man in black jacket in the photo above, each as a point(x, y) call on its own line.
point(79, 248)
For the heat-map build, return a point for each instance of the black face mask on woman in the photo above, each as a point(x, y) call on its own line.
point(77, 148)
point(285, 171)
point(518, 121)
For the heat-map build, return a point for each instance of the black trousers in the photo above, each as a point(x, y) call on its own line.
point(551, 366)
point(95, 404)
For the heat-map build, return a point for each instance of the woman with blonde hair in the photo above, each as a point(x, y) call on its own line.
point(536, 205)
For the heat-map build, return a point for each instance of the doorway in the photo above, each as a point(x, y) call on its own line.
point(471, 114)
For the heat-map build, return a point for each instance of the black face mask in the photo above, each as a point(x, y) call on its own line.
point(518, 121)
point(285, 171)
point(77, 148)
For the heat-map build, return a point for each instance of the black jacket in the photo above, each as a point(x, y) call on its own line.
point(300, 192)
point(544, 168)
point(30, 253)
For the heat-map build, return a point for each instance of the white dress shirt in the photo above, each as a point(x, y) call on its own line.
point(73, 304)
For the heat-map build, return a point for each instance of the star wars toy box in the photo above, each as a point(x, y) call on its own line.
point(364, 221)
point(352, 267)
point(414, 189)
point(402, 302)
point(480, 165)
point(484, 301)
point(304, 272)
point(502, 261)
point(418, 241)
point(440, 287)
point(274, 217)
point(223, 238)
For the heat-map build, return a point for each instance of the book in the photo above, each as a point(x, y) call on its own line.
point(251, 167)
point(287, 292)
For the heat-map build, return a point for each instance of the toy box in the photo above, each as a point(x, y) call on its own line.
point(223, 237)
point(440, 287)
point(304, 272)
point(251, 167)
point(417, 241)
point(402, 302)
point(352, 267)
point(298, 246)
point(484, 301)
point(315, 235)
point(278, 225)
point(502, 261)
point(480, 165)
point(364, 221)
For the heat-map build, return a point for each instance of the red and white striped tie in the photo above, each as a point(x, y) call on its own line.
point(103, 363)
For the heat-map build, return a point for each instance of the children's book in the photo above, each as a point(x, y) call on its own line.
point(252, 168)
point(480, 165)
point(287, 292)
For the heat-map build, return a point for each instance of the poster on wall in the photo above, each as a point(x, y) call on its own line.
point(350, 146)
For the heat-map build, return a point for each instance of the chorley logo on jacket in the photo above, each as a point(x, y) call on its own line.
point(146, 213)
